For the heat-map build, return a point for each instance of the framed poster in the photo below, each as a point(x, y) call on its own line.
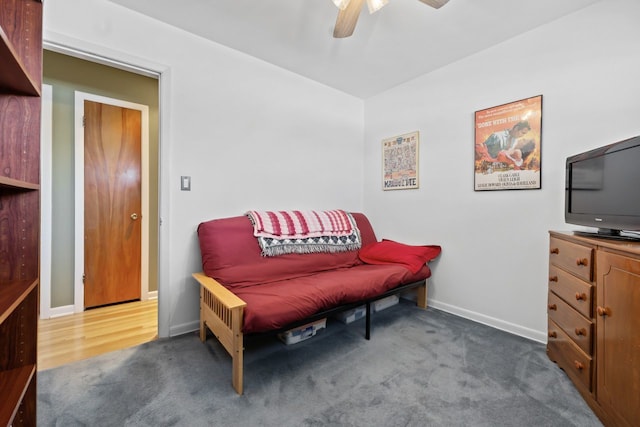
point(508, 146)
point(400, 162)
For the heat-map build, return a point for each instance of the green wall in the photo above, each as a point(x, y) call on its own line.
point(68, 74)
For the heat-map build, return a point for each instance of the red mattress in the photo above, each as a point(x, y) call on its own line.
point(275, 305)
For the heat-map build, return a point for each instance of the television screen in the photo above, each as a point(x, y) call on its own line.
point(603, 187)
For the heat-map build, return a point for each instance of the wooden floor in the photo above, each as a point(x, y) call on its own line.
point(79, 336)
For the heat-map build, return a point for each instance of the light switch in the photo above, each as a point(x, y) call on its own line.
point(185, 183)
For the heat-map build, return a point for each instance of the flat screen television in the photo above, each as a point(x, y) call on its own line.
point(603, 189)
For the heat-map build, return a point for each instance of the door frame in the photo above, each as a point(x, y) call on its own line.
point(78, 286)
point(46, 200)
point(163, 73)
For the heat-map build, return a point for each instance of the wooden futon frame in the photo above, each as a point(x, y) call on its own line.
point(222, 312)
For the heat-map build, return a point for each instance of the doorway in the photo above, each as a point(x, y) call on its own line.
point(67, 70)
point(112, 201)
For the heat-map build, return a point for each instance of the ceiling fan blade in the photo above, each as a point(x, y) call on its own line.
point(347, 19)
point(435, 3)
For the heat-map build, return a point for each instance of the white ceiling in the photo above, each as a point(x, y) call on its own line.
point(403, 40)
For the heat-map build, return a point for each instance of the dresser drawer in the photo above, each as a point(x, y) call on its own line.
point(576, 292)
point(576, 326)
point(562, 350)
point(572, 257)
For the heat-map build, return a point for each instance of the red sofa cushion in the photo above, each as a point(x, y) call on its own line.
point(231, 254)
point(390, 252)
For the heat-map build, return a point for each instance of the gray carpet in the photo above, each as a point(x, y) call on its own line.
point(421, 368)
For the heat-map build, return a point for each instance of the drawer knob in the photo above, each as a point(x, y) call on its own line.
point(553, 278)
point(582, 261)
point(555, 251)
point(553, 334)
point(579, 365)
point(581, 331)
point(552, 307)
point(581, 296)
point(603, 311)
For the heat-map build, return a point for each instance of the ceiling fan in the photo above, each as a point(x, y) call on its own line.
point(350, 11)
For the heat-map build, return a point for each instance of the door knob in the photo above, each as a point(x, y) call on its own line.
point(134, 216)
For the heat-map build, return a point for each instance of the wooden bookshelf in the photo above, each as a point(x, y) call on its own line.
point(20, 88)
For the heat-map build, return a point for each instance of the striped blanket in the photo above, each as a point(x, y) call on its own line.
point(283, 232)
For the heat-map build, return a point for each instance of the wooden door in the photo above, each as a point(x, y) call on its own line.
point(618, 337)
point(112, 204)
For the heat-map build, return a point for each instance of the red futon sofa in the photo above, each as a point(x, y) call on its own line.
point(243, 292)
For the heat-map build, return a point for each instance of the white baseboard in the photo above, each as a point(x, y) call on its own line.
point(491, 321)
point(512, 328)
point(184, 328)
point(64, 310)
point(152, 295)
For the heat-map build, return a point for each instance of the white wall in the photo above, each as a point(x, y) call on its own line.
point(493, 267)
point(251, 135)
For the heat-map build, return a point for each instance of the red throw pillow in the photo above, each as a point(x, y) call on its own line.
point(390, 252)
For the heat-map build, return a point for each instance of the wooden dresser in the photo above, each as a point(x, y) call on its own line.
point(594, 322)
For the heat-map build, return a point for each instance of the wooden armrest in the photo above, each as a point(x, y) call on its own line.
point(222, 312)
point(222, 294)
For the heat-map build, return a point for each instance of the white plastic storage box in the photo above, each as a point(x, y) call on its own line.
point(352, 315)
point(386, 302)
point(303, 332)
